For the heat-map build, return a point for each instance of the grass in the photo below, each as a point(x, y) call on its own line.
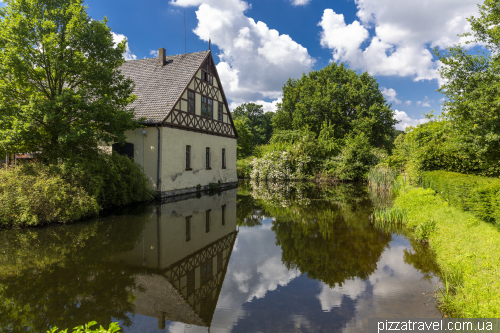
point(467, 252)
point(382, 177)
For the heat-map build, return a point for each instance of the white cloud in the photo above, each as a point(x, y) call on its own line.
point(118, 38)
point(390, 95)
point(266, 106)
point(406, 121)
point(403, 31)
point(425, 103)
point(255, 60)
point(300, 2)
point(408, 103)
point(154, 53)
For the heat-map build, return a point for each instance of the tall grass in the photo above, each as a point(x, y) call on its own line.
point(382, 178)
point(391, 215)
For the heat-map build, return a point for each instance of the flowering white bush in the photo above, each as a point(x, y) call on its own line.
point(279, 165)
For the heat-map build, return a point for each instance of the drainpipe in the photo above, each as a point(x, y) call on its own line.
point(158, 167)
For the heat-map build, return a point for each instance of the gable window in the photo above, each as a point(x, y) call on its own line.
point(223, 158)
point(188, 158)
point(191, 101)
point(207, 158)
point(207, 77)
point(210, 108)
point(220, 112)
point(207, 106)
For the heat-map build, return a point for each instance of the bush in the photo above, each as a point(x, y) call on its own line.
point(113, 328)
point(244, 167)
point(41, 197)
point(480, 195)
point(355, 159)
point(299, 158)
point(114, 180)
point(35, 193)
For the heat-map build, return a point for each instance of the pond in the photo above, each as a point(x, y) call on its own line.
point(283, 257)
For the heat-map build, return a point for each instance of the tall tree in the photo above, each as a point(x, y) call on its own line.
point(340, 97)
point(245, 137)
point(472, 88)
point(260, 122)
point(61, 93)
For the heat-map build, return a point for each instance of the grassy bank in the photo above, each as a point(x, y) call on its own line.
point(467, 252)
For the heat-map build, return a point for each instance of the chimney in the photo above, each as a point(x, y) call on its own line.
point(162, 56)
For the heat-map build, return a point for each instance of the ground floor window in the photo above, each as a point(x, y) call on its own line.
point(207, 158)
point(126, 150)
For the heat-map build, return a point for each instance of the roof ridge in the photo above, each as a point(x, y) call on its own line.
point(171, 55)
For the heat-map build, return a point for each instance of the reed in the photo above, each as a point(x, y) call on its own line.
point(392, 215)
point(382, 178)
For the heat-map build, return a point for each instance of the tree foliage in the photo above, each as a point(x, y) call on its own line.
point(245, 137)
point(60, 87)
point(473, 88)
point(339, 96)
point(259, 122)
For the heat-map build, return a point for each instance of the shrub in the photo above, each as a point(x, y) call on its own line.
point(244, 167)
point(113, 328)
point(480, 195)
point(42, 197)
point(355, 159)
point(114, 180)
point(35, 193)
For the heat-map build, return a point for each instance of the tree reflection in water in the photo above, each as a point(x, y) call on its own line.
point(166, 262)
point(324, 230)
point(62, 276)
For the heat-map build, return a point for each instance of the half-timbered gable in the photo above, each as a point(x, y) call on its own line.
point(203, 105)
point(189, 139)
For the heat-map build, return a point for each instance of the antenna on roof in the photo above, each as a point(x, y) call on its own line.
point(185, 39)
point(210, 44)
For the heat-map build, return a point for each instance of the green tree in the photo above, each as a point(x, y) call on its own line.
point(60, 87)
point(260, 122)
point(245, 137)
point(472, 88)
point(340, 97)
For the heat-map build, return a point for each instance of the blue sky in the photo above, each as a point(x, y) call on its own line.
point(259, 44)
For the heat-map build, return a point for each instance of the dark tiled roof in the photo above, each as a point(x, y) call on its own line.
point(158, 88)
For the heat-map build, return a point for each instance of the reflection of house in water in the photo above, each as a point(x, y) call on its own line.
point(184, 255)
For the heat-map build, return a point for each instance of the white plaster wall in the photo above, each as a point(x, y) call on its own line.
point(145, 151)
point(173, 168)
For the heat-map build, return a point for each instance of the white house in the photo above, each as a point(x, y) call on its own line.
point(189, 141)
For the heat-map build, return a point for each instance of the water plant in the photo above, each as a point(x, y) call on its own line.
point(382, 177)
point(394, 215)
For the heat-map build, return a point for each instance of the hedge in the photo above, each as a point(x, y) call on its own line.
point(477, 194)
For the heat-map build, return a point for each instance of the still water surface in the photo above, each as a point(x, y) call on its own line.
point(266, 258)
